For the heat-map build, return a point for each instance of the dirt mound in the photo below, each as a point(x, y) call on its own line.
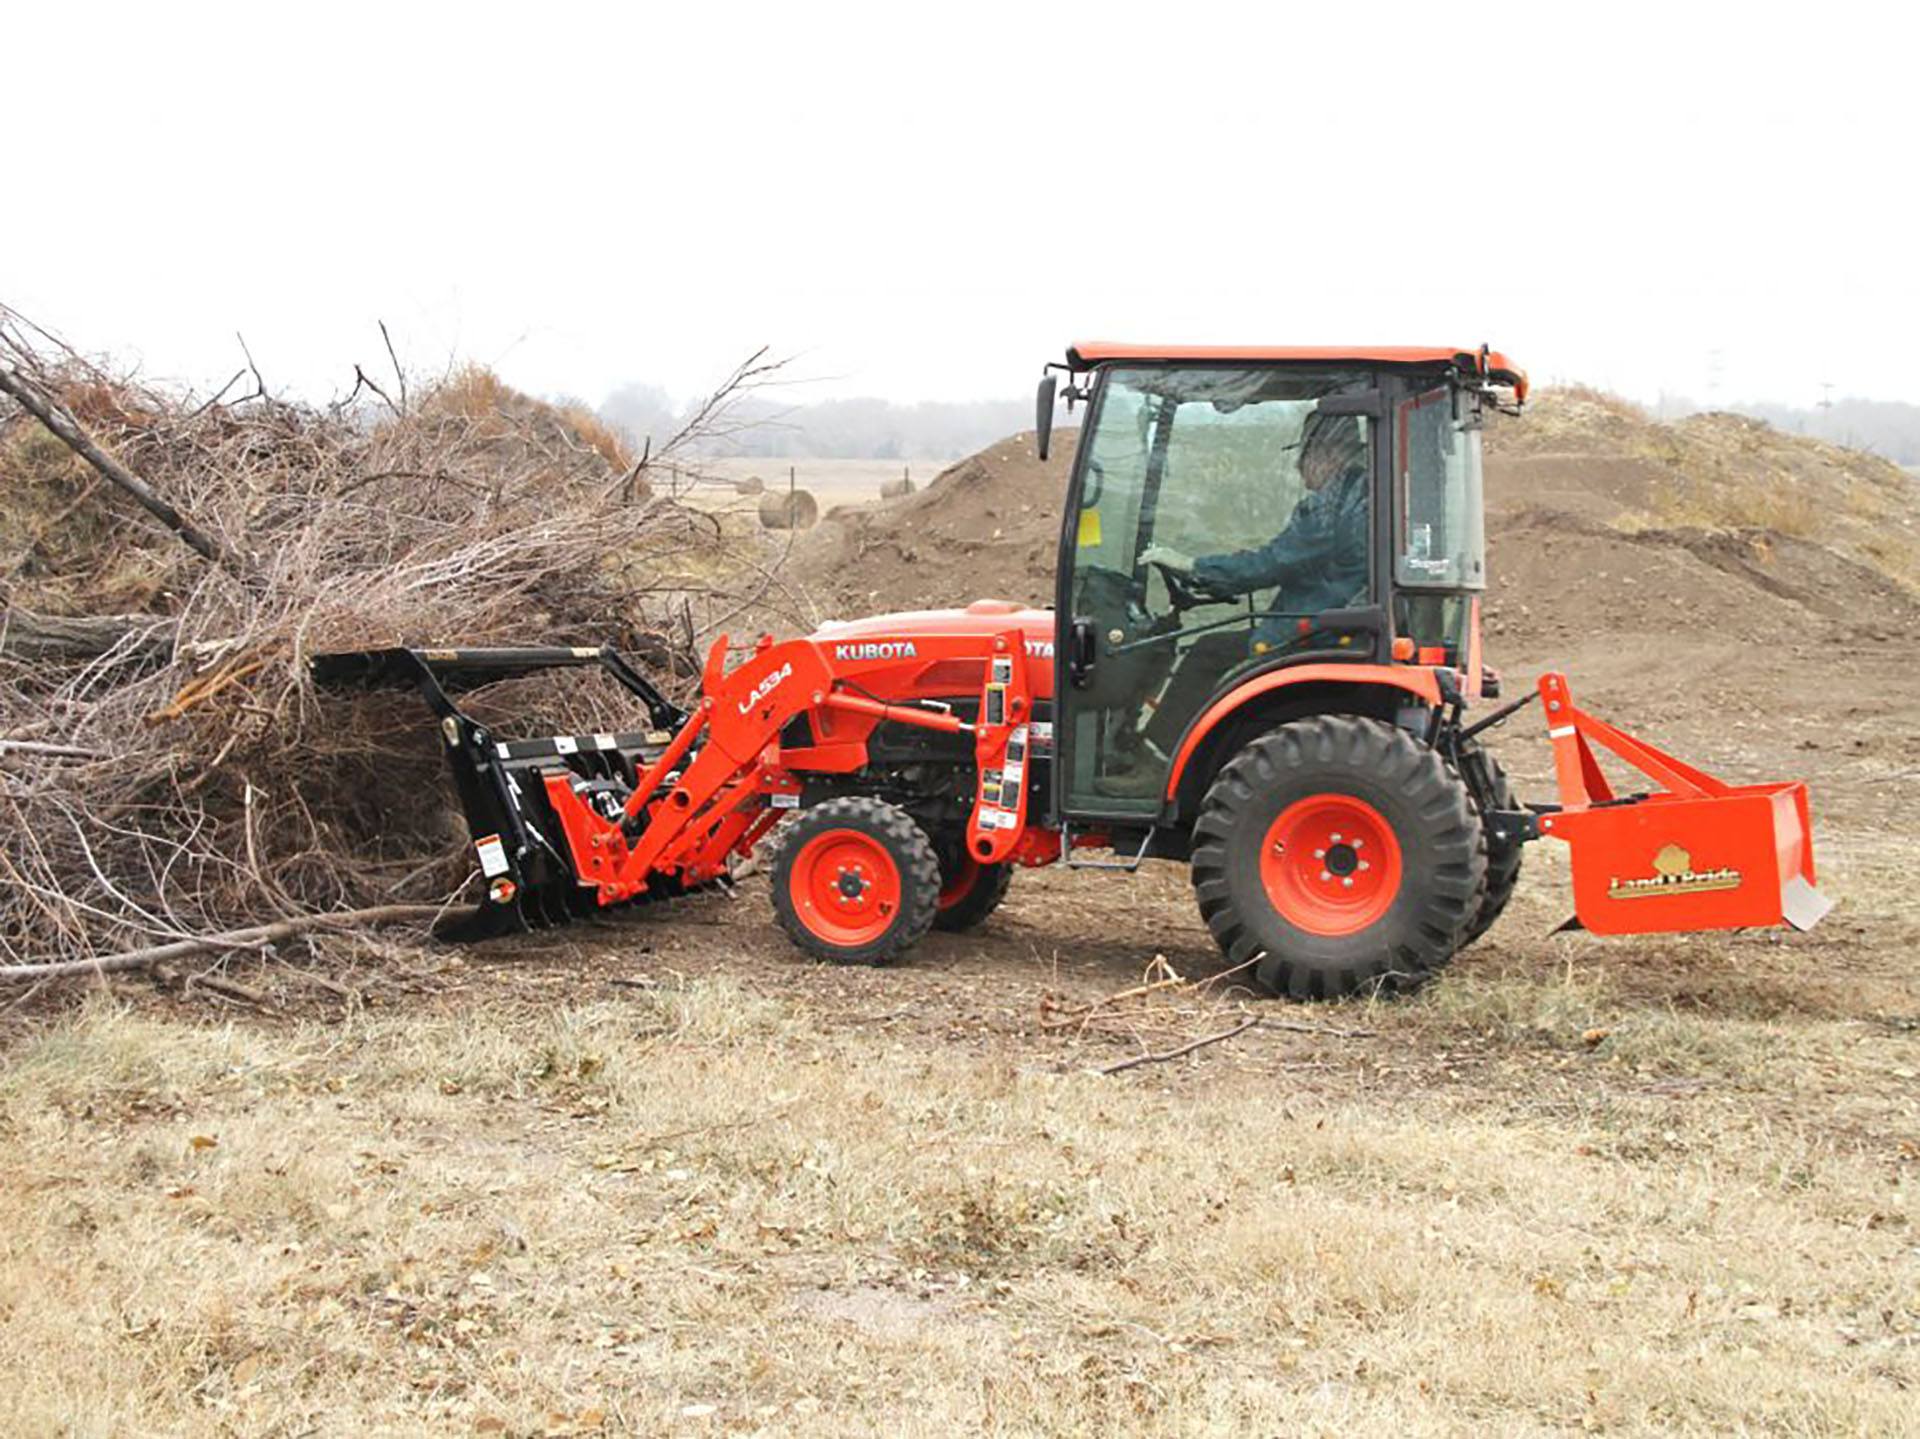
point(1737, 593)
point(1608, 528)
point(986, 527)
point(1596, 513)
point(1602, 459)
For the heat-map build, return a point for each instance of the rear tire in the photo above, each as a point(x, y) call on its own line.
point(855, 881)
point(1343, 853)
point(973, 893)
point(1503, 860)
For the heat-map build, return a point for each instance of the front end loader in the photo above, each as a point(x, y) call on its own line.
point(1264, 660)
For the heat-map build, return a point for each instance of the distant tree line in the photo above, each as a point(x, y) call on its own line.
point(943, 430)
point(828, 429)
point(1888, 428)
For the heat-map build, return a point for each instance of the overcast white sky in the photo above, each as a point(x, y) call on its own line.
point(927, 201)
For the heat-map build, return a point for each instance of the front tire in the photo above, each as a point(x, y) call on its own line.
point(1341, 852)
point(969, 892)
point(855, 881)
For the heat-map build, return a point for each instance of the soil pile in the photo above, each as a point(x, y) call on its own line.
point(1600, 519)
point(1672, 554)
point(985, 528)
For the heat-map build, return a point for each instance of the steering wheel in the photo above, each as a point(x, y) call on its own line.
point(1184, 590)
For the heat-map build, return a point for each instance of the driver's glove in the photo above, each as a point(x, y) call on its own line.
point(1167, 555)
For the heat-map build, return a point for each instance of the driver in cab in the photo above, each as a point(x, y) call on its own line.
point(1319, 561)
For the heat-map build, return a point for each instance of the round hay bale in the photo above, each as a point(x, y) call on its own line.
point(789, 510)
point(894, 489)
point(751, 485)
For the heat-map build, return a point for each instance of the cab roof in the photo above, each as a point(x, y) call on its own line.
point(1087, 353)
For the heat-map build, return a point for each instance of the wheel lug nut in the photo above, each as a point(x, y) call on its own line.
point(1358, 842)
point(1325, 875)
point(1348, 881)
point(1335, 839)
point(1319, 854)
point(1365, 865)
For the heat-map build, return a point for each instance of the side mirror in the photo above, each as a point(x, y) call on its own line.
point(1043, 415)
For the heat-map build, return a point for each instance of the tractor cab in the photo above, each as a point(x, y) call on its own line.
point(1240, 520)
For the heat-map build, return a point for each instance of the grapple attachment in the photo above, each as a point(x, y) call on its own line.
point(507, 786)
point(1697, 854)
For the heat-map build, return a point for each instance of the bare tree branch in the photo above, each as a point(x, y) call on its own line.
point(53, 415)
point(398, 373)
point(249, 938)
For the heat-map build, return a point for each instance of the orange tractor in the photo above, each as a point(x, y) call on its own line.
point(1262, 657)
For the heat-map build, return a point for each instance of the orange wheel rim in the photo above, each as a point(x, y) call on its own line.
point(1331, 864)
point(957, 888)
point(845, 887)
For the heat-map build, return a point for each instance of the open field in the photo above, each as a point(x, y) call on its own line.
point(831, 482)
point(1629, 1186)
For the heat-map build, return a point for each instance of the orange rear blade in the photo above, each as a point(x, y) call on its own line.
point(1697, 855)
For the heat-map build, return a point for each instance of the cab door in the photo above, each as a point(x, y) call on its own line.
point(1196, 464)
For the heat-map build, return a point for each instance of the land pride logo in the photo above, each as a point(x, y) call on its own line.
point(1673, 873)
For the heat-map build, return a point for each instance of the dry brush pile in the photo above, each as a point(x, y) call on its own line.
point(166, 766)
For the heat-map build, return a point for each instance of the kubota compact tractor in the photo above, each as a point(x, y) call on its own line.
point(1261, 658)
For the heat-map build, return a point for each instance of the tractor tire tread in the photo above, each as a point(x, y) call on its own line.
point(1504, 858)
point(972, 908)
point(1418, 937)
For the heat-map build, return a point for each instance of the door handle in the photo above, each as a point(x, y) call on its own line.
point(1082, 646)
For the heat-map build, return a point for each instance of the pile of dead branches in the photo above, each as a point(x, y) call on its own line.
point(168, 564)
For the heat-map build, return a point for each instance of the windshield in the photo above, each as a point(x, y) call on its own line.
point(1441, 537)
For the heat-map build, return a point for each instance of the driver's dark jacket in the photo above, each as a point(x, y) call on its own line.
point(1318, 562)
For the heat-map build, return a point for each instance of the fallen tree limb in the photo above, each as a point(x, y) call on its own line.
point(1324, 1031)
point(25, 635)
point(54, 751)
point(1188, 1048)
point(1080, 1014)
point(51, 414)
point(232, 988)
point(233, 939)
point(334, 987)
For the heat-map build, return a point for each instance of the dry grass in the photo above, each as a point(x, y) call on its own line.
point(700, 1208)
point(1781, 507)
